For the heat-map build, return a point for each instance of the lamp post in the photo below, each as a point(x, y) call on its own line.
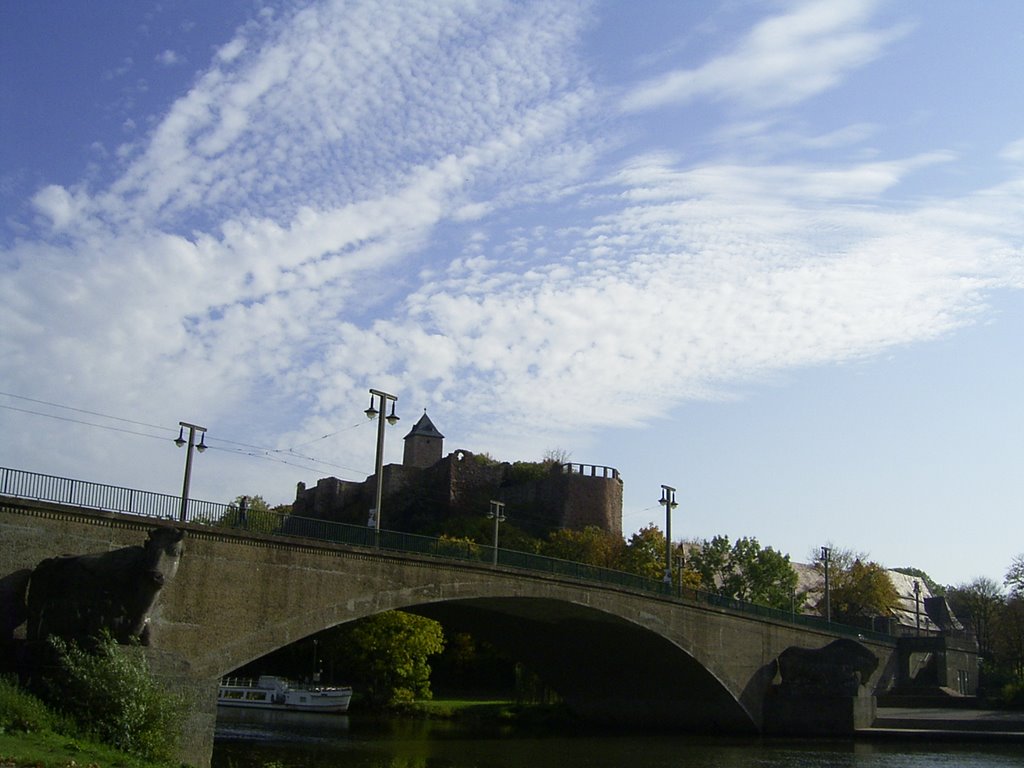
point(497, 513)
point(825, 553)
point(180, 441)
point(917, 607)
point(668, 500)
point(391, 418)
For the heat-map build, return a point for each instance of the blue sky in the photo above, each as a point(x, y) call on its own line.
point(767, 252)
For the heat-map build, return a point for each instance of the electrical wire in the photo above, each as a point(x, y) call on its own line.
point(264, 452)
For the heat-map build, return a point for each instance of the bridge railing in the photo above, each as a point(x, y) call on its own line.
point(34, 486)
point(109, 498)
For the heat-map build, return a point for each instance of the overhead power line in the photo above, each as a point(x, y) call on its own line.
point(257, 451)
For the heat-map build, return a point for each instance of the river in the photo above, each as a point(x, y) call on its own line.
point(254, 739)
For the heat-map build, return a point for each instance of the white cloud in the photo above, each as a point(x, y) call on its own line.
point(168, 58)
point(784, 60)
point(417, 199)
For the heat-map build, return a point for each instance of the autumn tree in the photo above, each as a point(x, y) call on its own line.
point(644, 554)
point(860, 589)
point(592, 545)
point(745, 571)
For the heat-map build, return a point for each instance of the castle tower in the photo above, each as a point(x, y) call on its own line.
point(423, 444)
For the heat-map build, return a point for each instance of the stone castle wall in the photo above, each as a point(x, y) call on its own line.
point(462, 484)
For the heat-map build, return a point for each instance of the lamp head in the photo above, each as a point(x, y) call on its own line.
point(180, 441)
point(371, 412)
point(202, 443)
point(392, 417)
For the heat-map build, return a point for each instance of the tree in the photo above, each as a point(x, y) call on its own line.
point(861, 591)
point(592, 545)
point(252, 513)
point(108, 690)
point(644, 554)
point(745, 571)
point(388, 655)
point(1015, 577)
point(978, 604)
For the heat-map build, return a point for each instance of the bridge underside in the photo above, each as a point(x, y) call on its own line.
point(605, 668)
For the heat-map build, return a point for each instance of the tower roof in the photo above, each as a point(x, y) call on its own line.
point(424, 428)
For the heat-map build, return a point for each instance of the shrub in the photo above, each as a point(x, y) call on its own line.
point(109, 692)
point(1013, 695)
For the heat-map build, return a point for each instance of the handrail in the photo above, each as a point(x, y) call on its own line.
point(38, 487)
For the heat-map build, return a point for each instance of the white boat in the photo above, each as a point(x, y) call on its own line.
point(269, 692)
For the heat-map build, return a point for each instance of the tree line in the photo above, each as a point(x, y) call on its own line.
point(995, 613)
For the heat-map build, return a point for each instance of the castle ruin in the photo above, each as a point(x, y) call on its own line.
point(428, 488)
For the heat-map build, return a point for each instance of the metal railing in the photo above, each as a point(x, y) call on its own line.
point(109, 498)
point(38, 487)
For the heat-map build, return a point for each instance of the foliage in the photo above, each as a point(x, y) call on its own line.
point(108, 691)
point(557, 456)
point(860, 590)
point(389, 654)
point(1009, 636)
point(644, 553)
point(256, 515)
point(528, 472)
point(1015, 576)
point(452, 546)
point(978, 604)
point(1012, 694)
point(592, 545)
point(21, 712)
point(745, 571)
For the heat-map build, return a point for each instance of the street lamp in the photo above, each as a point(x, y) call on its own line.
point(917, 607)
point(391, 418)
point(825, 554)
point(497, 513)
point(668, 500)
point(180, 442)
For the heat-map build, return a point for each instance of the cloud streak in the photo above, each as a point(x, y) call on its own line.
point(782, 61)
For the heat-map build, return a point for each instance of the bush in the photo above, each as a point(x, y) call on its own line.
point(1013, 695)
point(109, 692)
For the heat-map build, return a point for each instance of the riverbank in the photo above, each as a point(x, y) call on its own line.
point(48, 749)
point(946, 723)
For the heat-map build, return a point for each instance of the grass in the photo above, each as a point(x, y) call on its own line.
point(53, 750)
point(32, 736)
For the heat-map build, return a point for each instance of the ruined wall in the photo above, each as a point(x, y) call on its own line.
point(462, 484)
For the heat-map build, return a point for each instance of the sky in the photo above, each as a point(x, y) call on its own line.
point(768, 253)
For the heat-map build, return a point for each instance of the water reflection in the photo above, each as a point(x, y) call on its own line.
point(293, 740)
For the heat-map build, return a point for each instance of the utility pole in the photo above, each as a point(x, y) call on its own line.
point(825, 553)
point(668, 500)
point(497, 514)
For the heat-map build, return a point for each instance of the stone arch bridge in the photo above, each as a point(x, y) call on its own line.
point(612, 653)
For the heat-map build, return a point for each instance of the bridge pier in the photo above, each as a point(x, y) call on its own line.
point(199, 695)
point(794, 713)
